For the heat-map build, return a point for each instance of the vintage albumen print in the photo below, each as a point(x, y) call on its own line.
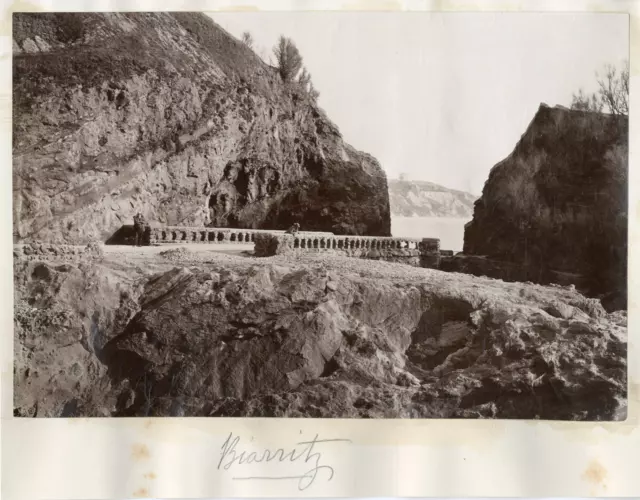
point(340, 215)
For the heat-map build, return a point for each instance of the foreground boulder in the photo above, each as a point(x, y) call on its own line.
point(313, 336)
point(66, 309)
point(170, 116)
point(225, 334)
point(558, 204)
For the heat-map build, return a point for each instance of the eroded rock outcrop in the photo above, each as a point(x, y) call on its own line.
point(314, 336)
point(67, 308)
point(558, 203)
point(170, 116)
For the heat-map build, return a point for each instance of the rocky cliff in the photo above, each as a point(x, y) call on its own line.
point(199, 333)
point(169, 115)
point(426, 199)
point(558, 203)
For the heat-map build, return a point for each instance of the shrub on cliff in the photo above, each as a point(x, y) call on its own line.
point(304, 80)
point(612, 94)
point(247, 39)
point(70, 27)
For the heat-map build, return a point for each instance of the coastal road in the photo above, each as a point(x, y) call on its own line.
point(226, 248)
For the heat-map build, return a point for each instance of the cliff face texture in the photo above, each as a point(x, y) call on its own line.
point(426, 199)
point(170, 116)
point(187, 333)
point(558, 203)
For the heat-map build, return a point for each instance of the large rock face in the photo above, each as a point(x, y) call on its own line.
point(558, 203)
point(170, 116)
point(200, 334)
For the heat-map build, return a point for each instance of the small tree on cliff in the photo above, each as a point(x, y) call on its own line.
point(290, 68)
point(304, 80)
point(584, 102)
point(288, 59)
point(247, 39)
point(612, 94)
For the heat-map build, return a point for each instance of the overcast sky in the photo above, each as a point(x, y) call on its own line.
point(441, 97)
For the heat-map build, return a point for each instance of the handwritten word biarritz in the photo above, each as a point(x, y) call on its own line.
point(304, 452)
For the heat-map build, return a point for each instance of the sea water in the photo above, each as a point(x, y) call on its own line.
point(450, 230)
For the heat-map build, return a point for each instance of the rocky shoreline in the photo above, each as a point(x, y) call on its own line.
point(167, 119)
point(203, 333)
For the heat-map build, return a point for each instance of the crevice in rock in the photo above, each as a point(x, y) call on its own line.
point(429, 357)
point(444, 328)
point(330, 368)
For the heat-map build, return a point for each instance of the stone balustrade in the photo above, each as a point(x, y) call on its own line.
point(419, 252)
point(183, 234)
point(423, 252)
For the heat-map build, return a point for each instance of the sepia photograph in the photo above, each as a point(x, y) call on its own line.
point(399, 215)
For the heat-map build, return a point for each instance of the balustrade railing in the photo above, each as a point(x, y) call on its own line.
point(422, 251)
point(177, 234)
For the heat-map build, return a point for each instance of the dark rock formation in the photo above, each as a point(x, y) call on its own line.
point(170, 116)
point(558, 203)
point(282, 337)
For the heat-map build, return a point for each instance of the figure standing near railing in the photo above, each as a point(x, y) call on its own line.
point(141, 229)
point(293, 229)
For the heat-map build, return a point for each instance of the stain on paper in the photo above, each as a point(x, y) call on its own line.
point(140, 452)
point(595, 474)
